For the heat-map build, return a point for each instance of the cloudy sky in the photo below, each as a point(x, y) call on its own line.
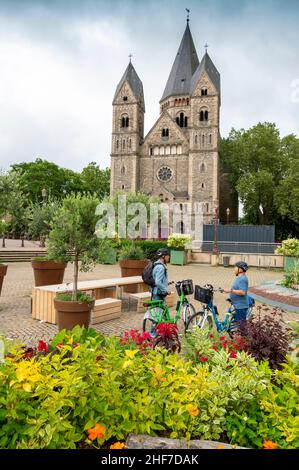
point(61, 60)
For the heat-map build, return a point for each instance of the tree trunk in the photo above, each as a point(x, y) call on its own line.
point(75, 282)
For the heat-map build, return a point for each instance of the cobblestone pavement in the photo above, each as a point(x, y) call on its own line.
point(16, 321)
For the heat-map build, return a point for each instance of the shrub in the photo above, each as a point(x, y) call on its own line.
point(151, 247)
point(131, 251)
point(291, 277)
point(267, 338)
point(271, 416)
point(289, 247)
point(178, 241)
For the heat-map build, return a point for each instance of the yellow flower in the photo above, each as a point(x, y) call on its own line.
point(220, 446)
point(131, 353)
point(117, 445)
point(126, 364)
point(269, 445)
point(27, 387)
point(193, 410)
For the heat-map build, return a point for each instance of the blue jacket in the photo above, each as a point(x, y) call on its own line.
point(161, 279)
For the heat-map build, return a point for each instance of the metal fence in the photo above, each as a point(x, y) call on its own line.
point(238, 247)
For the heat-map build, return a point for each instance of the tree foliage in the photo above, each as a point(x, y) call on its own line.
point(265, 171)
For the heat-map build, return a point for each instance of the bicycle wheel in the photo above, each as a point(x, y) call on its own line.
point(198, 320)
point(149, 326)
point(188, 312)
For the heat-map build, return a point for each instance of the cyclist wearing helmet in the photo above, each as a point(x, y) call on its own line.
point(160, 290)
point(238, 291)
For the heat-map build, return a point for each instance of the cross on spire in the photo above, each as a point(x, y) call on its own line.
point(188, 13)
point(206, 47)
point(130, 56)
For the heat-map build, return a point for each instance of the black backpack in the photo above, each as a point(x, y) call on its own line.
point(147, 274)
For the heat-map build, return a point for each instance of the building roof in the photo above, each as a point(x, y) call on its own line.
point(184, 66)
point(207, 66)
point(134, 81)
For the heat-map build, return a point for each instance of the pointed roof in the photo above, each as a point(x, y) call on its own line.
point(134, 81)
point(184, 66)
point(207, 66)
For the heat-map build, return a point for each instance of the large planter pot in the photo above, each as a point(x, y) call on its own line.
point(47, 272)
point(178, 257)
point(132, 267)
point(3, 270)
point(70, 314)
point(289, 262)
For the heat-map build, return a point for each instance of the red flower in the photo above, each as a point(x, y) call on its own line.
point(215, 348)
point(75, 344)
point(222, 338)
point(203, 359)
point(42, 346)
point(233, 355)
point(99, 358)
point(211, 335)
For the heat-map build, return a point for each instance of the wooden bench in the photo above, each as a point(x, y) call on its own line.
point(142, 297)
point(105, 309)
point(43, 297)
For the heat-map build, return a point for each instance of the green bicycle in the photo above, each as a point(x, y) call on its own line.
point(158, 312)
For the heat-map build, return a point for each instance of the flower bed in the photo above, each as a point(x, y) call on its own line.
point(87, 390)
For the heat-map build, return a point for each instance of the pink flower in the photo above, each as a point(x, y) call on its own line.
point(233, 355)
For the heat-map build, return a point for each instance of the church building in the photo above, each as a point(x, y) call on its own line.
point(178, 159)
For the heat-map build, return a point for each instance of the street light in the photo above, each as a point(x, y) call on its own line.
point(44, 194)
point(227, 215)
point(215, 247)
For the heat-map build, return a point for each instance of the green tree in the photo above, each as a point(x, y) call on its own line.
point(95, 180)
point(40, 174)
point(72, 237)
point(263, 168)
point(40, 217)
point(12, 202)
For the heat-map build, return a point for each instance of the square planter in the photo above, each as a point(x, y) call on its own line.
point(178, 257)
point(289, 262)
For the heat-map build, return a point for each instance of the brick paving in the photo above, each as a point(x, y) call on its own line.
point(16, 321)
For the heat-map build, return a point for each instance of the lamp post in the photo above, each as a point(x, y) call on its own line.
point(215, 247)
point(227, 215)
point(44, 194)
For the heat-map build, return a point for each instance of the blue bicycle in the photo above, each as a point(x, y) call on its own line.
point(209, 313)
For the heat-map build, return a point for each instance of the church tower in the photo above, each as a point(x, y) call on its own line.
point(127, 132)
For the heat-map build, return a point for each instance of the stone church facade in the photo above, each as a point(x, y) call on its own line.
point(178, 159)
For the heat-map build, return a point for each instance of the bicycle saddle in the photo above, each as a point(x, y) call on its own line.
point(228, 300)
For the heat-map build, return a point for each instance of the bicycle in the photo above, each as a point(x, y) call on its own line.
point(158, 312)
point(204, 318)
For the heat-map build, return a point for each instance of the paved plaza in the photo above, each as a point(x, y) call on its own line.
point(16, 321)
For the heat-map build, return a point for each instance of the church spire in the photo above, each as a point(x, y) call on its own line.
point(184, 66)
point(133, 80)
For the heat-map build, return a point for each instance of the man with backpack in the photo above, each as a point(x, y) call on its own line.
point(155, 275)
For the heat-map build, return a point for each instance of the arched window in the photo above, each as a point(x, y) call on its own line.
point(156, 150)
point(202, 185)
point(123, 186)
point(125, 121)
point(117, 144)
point(179, 150)
point(182, 120)
point(204, 115)
point(123, 170)
point(130, 143)
point(207, 207)
point(187, 101)
point(162, 151)
point(167, 150)
point(203, 139)
point(124, 144)
point(125, 98)
point(204, 92)
point(210, 138)
point(173, 150)
point(202, 168)
point(165, 132)
point(151, 150)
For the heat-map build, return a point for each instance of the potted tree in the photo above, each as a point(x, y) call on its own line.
point(73, 239)
point(290, 249)
point(178, 244)
point(132, 262)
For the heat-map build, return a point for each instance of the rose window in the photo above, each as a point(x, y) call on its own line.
point(164, 174)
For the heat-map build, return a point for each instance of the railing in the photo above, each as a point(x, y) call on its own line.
point(236, 247)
